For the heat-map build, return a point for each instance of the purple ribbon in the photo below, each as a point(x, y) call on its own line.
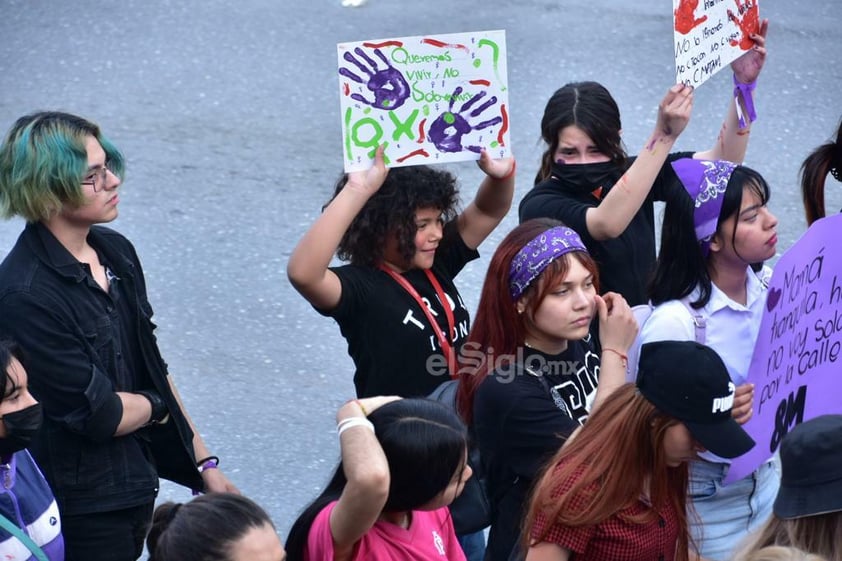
point(537, 255)
point(745, 90)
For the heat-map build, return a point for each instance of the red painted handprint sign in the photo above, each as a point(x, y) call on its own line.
point(711, 34)
point(747, 19)
point(685, 16)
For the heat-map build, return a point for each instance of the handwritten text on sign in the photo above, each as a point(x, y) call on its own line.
point(710, 34)
point(426, 99)
point(797, 361)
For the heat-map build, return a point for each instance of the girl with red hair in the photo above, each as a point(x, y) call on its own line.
point(619, 490)
point(530, 371)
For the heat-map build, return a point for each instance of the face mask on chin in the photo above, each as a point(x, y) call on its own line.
point(587, 178)
point(21, 427)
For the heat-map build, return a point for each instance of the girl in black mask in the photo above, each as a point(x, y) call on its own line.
point(30, 528)
point(587, 181)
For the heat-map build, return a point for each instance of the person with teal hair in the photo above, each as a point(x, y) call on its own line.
point(42, 161)
point(73, 295)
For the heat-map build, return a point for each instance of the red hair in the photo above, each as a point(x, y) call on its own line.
point(616, 453)
point(498, 329)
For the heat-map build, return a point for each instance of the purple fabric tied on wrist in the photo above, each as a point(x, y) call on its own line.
point(705, 181)
point(536, 256)
point(746, 91)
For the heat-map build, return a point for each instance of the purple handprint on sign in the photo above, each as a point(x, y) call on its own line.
point(447, 130)
point(388, 85)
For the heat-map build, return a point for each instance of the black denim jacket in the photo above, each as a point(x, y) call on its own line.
point(52, 307)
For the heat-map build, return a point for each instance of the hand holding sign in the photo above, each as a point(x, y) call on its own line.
point(501, 168)
point(743, 402)
point(369, 181)
point(674, 110)
point(747, 68)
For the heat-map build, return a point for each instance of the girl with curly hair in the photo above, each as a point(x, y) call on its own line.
point(395, 301)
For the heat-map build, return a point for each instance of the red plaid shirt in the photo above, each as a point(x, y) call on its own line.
point(615, 539)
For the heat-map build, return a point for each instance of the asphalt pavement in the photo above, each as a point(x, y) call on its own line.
point(228, 113)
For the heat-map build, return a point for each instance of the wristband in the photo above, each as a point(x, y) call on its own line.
point(623, 357)
point(211, 462)
point(352, 422)
point(159, 408)
point(745, 90)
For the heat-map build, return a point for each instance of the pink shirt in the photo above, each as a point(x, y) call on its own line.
point(430, 537)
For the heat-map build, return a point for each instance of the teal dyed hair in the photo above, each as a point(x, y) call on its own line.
point(43, 162)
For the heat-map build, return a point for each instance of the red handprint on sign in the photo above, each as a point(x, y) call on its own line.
point(685, 18)
point(748, 20)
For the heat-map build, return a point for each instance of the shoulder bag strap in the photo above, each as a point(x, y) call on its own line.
point(13, 529)
point(699, 321)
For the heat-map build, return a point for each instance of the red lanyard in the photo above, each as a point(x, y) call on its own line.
point(446, 348)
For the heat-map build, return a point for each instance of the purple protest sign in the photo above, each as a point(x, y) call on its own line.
point(796, 362)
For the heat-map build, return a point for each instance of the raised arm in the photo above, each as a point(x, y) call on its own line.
point(733, 138)
point(492, 201)
point(617, 209)
point(308, 265)
point(366, 472)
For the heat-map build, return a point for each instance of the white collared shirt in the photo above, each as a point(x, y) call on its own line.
point(731, 330)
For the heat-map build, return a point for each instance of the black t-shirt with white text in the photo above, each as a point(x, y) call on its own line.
point(520, 423)
point(394, 349)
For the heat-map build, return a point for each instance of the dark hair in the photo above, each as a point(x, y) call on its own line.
point(589, 106)
point(203, 529)
point(424, 443)
point(681, 264)
point(825, 159)
point(497, 325)
point(391, 211)
point(8, 350)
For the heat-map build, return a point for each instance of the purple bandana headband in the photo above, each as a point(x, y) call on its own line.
point(705, 181)
point(536, 256)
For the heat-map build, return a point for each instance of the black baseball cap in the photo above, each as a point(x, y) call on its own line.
point(690, 382)
point(811, 462)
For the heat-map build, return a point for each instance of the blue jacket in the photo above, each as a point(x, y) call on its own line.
point(26, 500)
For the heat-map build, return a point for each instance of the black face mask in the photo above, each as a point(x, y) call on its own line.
point(586, 178)
point(21, 427)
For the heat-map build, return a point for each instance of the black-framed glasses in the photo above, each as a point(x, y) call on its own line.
point(97, 178)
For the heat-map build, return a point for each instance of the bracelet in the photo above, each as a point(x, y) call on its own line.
point(352, 422)
point(511, 173)
point(210, 464)
point(745, 90)
point(159, 413)
point(360, 405)
point(623, 357)
point(203, 461)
